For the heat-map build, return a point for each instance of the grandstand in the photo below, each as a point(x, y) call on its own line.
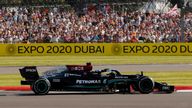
point(90, 21)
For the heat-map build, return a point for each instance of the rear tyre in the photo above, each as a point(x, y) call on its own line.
point(41, 86)
point(146, 85)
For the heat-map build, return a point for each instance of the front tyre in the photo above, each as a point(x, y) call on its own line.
point(41, 86)
point(146, 85)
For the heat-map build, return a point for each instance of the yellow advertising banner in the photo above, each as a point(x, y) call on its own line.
point(97, 49)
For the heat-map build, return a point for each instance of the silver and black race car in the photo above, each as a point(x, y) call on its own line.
point(82, 78)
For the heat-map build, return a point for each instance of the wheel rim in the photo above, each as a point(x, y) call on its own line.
point(42, 86)
point(146, 85)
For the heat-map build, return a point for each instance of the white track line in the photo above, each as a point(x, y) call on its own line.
point(184, 91)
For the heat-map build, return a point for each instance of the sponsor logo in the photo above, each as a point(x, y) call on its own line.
point(77, 68)
point(69, 75)
point(88, 81)
point(121, 77)
point(165, 88)
point(11, 49)
point(57, 49)
point(56, 80)
point(108, 49)
point(31, 70)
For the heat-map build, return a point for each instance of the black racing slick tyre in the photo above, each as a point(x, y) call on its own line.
point(41, 86)
point(146, 85)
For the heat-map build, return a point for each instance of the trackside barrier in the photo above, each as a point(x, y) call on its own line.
point(97, 49)
point(15, 88)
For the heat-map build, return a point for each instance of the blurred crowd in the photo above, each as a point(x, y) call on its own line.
point(56, 25)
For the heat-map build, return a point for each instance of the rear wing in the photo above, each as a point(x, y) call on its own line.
point(29, 73)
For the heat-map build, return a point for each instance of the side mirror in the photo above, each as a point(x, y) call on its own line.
point(142, 73)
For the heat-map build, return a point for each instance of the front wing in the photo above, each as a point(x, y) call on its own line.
point(163, 87)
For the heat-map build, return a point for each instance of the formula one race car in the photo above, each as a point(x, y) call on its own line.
point(82, 78)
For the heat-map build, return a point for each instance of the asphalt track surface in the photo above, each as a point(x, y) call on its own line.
point(11, 99)
point(121, 68)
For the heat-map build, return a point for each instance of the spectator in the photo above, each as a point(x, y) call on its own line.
point(55, 25)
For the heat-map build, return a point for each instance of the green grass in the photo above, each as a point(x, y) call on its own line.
point(174, 78)
point(62, 60)
point(10, 79)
